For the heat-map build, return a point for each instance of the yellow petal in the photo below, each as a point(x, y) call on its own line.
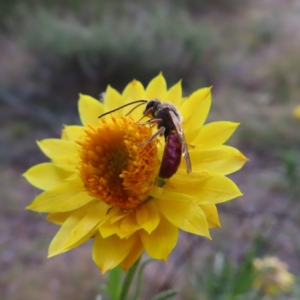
point(157, 87)
point(45, 176)
point(195, 110)
point(86, 225)
point(134, 91)
point(207, 187)
point(89, 110)
point(63, 233)
point(223, 160)
point(55, 148)
point(183, 183)
point(148, 216)
point(161, 241)
point(114, 214)
point(64, 135)
point(183, 212)
point(133, 255)
point(118, 222)
point(113, 100)
point(72, 177)
point(128, 226)
point(58, 218)
point(110, 252)
point(69, 162)
point(73, 132)
point(108, 229)
point(174, 94)
point(214, 134)
point(217, 189)
point(212, 215)
point(124, 227)
point(64, 197)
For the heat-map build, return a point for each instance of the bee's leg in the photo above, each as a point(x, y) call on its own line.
point(160, 131)
point(191, 146)
point(153, 121)
point(146, 113)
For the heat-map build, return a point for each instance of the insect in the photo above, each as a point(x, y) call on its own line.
point(168, 121)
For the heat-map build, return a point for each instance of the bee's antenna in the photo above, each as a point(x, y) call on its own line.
point(134, 108)
point(127, 104)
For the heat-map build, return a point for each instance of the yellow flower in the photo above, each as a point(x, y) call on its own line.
point(273, 276)
point(101, 184)
point(296, 113)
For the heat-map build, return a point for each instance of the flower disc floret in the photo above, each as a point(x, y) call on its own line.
point(113, 167)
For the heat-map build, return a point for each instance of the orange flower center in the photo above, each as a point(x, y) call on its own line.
point(113, 168)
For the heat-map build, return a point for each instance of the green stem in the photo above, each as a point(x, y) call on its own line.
point(128, 280)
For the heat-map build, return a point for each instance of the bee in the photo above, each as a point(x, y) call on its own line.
point(168, 120)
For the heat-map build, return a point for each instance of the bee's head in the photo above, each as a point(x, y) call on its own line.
point(152, 107)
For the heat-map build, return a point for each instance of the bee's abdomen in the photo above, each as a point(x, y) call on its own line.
point(171, 157)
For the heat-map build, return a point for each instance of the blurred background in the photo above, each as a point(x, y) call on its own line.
point(248, 50)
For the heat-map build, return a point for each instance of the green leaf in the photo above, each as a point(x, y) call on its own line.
point(140, 278)
point(128, 280)
point(245, 274)
point(165, 295)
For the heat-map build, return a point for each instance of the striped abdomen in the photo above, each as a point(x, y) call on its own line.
point(171, 157)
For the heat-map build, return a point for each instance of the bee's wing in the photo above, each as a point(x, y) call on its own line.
point(184, 147)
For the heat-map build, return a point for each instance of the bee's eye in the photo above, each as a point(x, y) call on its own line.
point(150, 104)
